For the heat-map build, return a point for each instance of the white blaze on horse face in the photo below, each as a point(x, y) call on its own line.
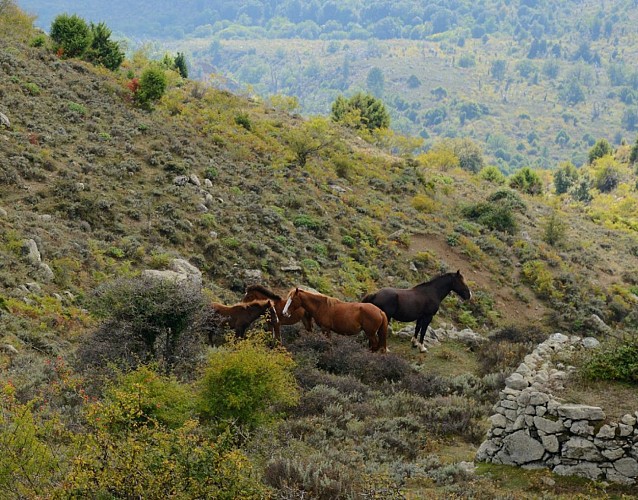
point(285, 311)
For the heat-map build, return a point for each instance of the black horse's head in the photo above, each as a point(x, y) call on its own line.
point(460, 287)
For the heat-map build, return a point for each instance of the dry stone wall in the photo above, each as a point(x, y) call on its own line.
point(533, 429)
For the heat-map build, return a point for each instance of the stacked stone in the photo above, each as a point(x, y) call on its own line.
point(533, 429)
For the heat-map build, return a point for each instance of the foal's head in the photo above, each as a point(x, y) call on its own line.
point(460, 287)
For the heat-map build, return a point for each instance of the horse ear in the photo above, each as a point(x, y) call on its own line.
point(458, 272)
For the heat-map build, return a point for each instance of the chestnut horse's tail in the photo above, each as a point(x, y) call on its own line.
point(382, 334)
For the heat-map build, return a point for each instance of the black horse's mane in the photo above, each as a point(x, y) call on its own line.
point(444, 275)
point(264, 291)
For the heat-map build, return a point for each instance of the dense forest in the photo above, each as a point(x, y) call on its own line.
point(311, 19)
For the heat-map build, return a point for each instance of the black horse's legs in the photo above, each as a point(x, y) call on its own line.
point(425, 322)
point(415, 338)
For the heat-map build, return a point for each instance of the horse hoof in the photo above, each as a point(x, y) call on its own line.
point(415, 342)
point(422, 348)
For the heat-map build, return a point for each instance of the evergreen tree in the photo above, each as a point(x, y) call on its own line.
point(71, 35)
point(633, 156)
point(104, 51)
point(527, 181)
point(565, 177)
point(376, 81)
point(362, 110)
point(600, 149)
point(180, 64)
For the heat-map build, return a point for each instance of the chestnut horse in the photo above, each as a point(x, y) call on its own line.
point(345, 318)
point(420, 302)
point(240, 316)
point(258, 292)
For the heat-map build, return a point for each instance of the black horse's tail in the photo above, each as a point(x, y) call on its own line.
point(369, 298)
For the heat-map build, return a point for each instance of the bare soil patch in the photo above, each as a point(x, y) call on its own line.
point(615, 398)
point(510, 306)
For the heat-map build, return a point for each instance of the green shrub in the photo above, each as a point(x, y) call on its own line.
point(32, 88)
point(243, 120)
point(362, 111)
point(616, 362)
point(497, 216)
point(307, 221)
point(28, 458)
point(423, 203)
point(492, 174)
point(77, 108)
point(565, 177)
point(600, 149)
point(607, 178)
point(152, 86)
point(71, 35)
point(247, 384)
point(145, 319)
point(38, 41)
point(349, 241)
point(539, 277)
point(151, 397)
point(526, 181)
point(146, 460)
point(554, 229)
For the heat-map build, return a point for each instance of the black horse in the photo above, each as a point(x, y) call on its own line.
point(420, 302)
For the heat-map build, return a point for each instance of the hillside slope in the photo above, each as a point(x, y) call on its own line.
point(245, 192)
point(104, 189)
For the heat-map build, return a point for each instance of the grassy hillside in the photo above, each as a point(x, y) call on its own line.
point(533, 82)
point(105, 190)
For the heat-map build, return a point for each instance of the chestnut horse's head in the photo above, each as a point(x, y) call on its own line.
point(293, 301)
point(460, 287)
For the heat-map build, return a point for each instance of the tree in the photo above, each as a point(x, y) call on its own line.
point(498, 68)
point(580, 190)
point(554, 229)
point(104, 51)
point(413, 82)
point(630, 119)
point(565, 177)
point(572, 94)
point(180, 64)
point(469, 154)
point(314, 135)
point(71, 35)
point(375, 81)
point(362, 110)
point(633, 156)
point(607, 175)
point(152, 86)
point(600, 149)
point(527, 181)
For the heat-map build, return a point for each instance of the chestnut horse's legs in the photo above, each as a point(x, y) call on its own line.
point(307, 322)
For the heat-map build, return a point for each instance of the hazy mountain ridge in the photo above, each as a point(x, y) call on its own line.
point(533, 82)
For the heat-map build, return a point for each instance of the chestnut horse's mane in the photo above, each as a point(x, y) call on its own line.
point(264, 291)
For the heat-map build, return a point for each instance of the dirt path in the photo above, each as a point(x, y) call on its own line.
point(512, 309)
